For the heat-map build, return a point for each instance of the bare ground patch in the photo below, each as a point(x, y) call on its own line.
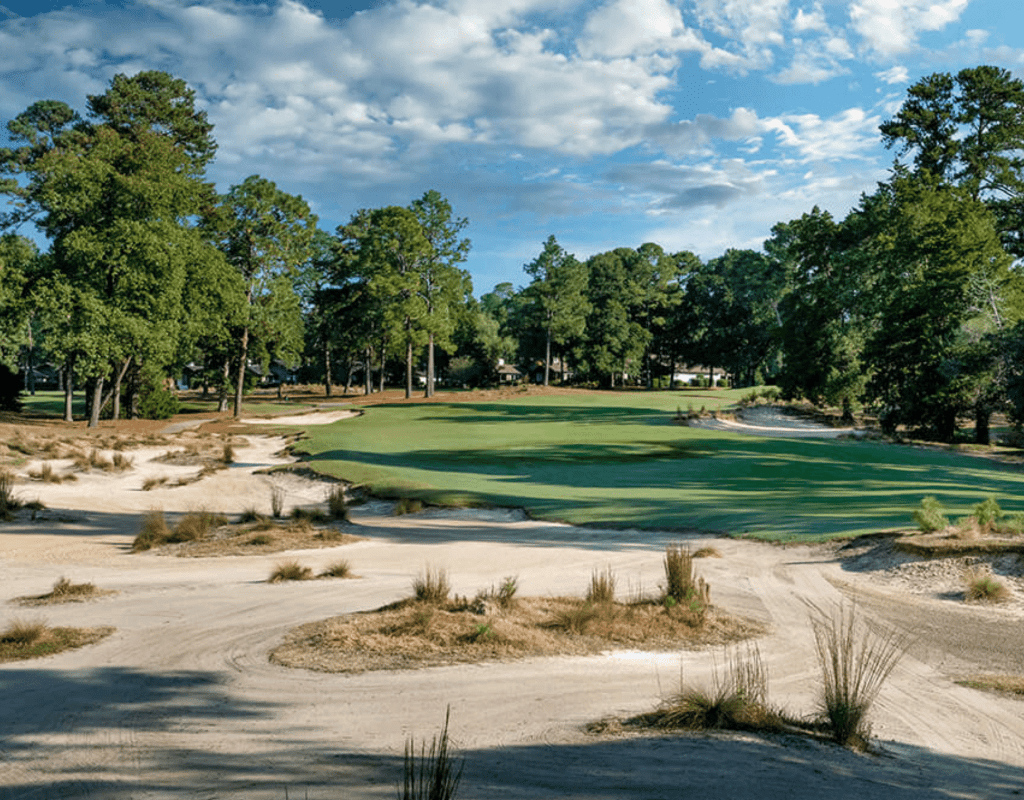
point(413, 634)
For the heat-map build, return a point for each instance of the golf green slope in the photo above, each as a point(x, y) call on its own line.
point(620, 460)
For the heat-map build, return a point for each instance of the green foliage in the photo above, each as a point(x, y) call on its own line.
point(155, 400)
point(981, 586)
point(929, 516)
point(988, 513)
point(10, 389)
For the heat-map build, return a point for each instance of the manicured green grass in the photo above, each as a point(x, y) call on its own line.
point(618, 459)
point(51, 404)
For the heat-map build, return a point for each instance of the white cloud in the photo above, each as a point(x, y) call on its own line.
point(814, 20)
point(635, 27)
point(851, 134)
point(890, 27)
point(894, 75)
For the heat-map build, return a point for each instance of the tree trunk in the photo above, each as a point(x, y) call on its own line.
point(243, 357)
point(97, 403)
point(115, 392)
point(348, 377)
point(67, 372)
point(408, 369)
point(222, 390)
point(981, 425)
point(430, 367)
point(711, 377)
point(383, 360)
point(368, 371)
point(30, 374)
point(547, 356)
point(672, 375)
point(327, 369)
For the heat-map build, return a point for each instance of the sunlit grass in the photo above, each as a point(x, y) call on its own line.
point(619, 459)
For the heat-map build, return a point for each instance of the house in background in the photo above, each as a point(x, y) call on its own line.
point(507, 374)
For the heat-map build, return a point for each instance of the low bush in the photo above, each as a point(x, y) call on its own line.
point(575, 619)
point(707, 552)
point(432, 586)
point(260, 539)
point(156, 401)
point(929, 516)
point(855, 661)
point(196, 525)
point(65, 589)
point(251, 515)
point(290, 571)
point(311, 515)
point(228, 454)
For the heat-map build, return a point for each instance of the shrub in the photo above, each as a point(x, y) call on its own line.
point(290, 571)
point(122, 462)
point(506, 594)
point(432, 586)
point(260, 539)
point(337, 504)
point(311, 515)
point(434, 774)
point(929, 516)
point(987, 514)
point(23, 632)
point(682, 586)
point(338, 569)
point(228, 454)
point(855, 661)
point(153, 482)
point(156, 401)
point(250, 515)
point(154, 531)
point(602, 587)
point(982, 586)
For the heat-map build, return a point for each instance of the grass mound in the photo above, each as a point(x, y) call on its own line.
point(64, 591)
point(433, 627)
point(290, 571)
point(24, 639)
point(981, 586)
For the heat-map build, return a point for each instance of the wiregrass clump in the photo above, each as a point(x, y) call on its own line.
point(682, 585)
point(737, 700)
point(154, 531)
point(10, 503)
point(602, 586)
point(434, 774)
point(23, 632)
point(432, 586)
point(196, 525)
point(337, 503)
point(982, 586)
point(290, 571)
point(276, 501)
point(338, 569)
point(855, 661)
point(64, 589)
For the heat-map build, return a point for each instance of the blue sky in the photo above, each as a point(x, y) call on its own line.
point(696, 124)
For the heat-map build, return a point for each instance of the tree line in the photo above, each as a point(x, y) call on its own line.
point(911, 304)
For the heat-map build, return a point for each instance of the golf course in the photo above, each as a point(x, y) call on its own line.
point(622, 460)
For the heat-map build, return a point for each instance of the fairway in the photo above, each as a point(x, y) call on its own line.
point(619, 460)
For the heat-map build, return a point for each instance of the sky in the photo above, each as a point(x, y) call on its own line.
point(694, 124)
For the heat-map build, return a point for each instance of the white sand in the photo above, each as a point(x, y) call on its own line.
point(182, 702)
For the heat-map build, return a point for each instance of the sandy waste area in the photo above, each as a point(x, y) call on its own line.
point(181, 701)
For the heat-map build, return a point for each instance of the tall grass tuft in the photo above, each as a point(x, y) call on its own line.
point(432, 586)
point(337, 504)
point(433, 774)
point(290, 571)
point(855, 661)
point(9, 501)
point(602, 586)
point(338, 569)
point(64, 588)
point(227, 455)
point(682, 586)
point(23, 632)
point(276, 501)
point(981, 586)
point(196, 525)
point(154, 531)
point(738, 699)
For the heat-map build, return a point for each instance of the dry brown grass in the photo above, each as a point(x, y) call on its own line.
point(981, 586)
point(412, 634)
point(1010, 685)
point(64, 591)
point(34, 638)
point(338, 569)
point(262, 536)
point(290, 571)
point(602, 586)
point(707, 552)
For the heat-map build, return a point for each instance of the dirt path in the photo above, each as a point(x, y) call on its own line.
point(182, 702)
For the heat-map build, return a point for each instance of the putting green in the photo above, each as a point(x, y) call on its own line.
point(619, 460)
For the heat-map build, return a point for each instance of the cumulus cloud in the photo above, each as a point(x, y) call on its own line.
point(894, 75)
point(637, 27)
point(851, 134)
point(890, 27)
